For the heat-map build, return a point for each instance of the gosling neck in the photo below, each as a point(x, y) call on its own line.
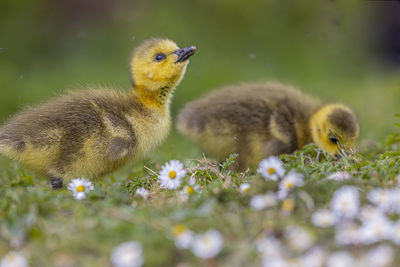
point(159, 97)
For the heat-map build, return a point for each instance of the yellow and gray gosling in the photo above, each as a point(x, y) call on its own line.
point(93, 132)
point(260, 120)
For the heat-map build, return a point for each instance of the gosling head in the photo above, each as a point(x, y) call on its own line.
point(335, 129)
point(158, 63)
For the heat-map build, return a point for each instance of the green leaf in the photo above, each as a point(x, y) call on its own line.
point(229, 161)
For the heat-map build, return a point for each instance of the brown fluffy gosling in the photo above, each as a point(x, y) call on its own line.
point(260, 120)
point(93, 132)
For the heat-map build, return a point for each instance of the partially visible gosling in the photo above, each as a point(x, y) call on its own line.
point(260, 120)
point(91, 133)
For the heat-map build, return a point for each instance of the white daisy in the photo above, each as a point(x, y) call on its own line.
point(183, 236)
point(189, 189)
point(208, 244)
point(377, 229)
point(143, 192)
point(244, 187)
point(14, 259)
point(79, 187)
point(298, 238)
point(345, 202)
point(271, 168)
point(340, 259)
point(291, 180)
point(323, 218)
point(260, 202)
point(339, 176)
point(347, 234)
point(381, 198)
point(171, 174)
point(395, 235)
point(379, 256)
point(128, 254)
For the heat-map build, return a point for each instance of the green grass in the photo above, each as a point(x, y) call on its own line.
point(52, 228)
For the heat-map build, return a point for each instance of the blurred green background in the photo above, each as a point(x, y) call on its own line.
point(340, 51)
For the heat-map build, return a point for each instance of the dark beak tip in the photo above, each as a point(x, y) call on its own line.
point(184, 53)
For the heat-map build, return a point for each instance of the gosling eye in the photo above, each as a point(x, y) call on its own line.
point(334, 140)
point(160, 57)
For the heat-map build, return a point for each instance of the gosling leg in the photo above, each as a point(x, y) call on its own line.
point(56, 183)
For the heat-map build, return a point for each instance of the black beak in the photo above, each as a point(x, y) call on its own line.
point(184, 53)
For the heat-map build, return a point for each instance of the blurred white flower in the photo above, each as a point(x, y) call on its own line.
point(143, 192)
point(260, 202)
point(291, 180)
point(14, 259)
point(395, 200)
point(340, 259)
point(282, 194)
point(183, 236)
point(347, 234)
point(171, 174)
point(345, 202)
point(269, 246)
point(278, 261)
point(298, 238)
point(339, 176)
point(323, 218)
point(271, 168)
point(395, 235)
point(244, 187)
point(368, 213)
point(377, 229)
point(128, 254)
point(315, 257)
point(208, 244)
point(381, 198)
point(379, 256)
point(79, 187)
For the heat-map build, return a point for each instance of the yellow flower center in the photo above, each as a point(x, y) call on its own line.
point(80, 188)
point(179, 229)
point(245, 189)
point(189, 189)
point(271, 171)
point(288, 204)
point(289, 185)
point(172, 174)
